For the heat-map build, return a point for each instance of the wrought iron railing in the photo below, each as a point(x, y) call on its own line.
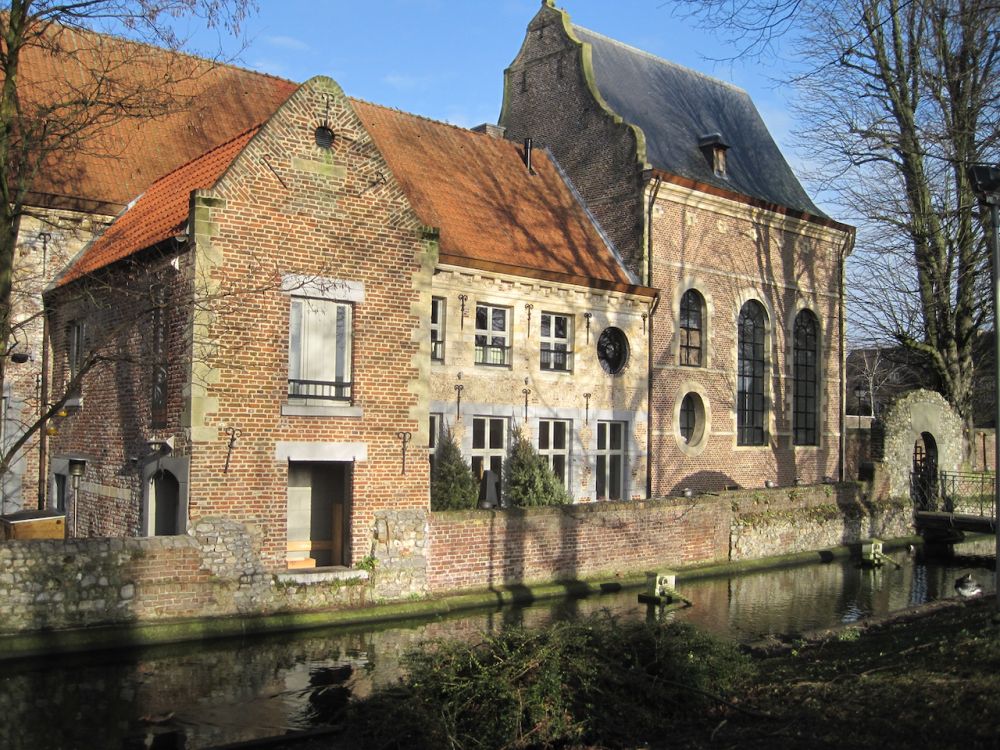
point(970, 493)
point(556, 359)
point(319, 389)
point(492, 354)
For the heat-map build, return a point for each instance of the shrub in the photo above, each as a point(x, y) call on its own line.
point(597, 682)
point(452, 485)
point(527, 479)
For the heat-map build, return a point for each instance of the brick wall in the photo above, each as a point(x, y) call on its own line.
point(478, 549)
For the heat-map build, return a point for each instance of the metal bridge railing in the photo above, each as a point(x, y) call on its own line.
point(969, 493)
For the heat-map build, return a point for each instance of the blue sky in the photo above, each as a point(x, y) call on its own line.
point(445, 59)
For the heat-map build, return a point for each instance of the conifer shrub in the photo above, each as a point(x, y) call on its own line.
point(452, 485)
point(596, 682)
point(527, 478)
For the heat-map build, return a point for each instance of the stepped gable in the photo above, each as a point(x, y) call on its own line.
point(675, 107)
point(119, 158)
point(158, 214)
point(492, 213)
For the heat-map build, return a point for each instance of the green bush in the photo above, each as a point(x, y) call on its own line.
point(452, 485)
point(594, 682)
point(527, 478)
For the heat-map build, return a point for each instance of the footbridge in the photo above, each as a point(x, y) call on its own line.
point(954, 503)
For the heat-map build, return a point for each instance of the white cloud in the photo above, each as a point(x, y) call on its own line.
point(287, 42)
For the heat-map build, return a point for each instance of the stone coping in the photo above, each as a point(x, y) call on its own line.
point(314, 576)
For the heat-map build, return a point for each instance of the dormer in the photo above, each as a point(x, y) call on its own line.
point(714, 149)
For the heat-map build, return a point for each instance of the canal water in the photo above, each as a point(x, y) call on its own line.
point(201, 695)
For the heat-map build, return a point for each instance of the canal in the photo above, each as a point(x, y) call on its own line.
point(202, 695)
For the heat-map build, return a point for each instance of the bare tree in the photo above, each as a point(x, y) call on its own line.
point(48, 120)
point(896, 98)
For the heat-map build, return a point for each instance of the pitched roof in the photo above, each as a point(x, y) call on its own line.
point(675, 107)
point(490, 211)
point(158, 214)
point(197, 103)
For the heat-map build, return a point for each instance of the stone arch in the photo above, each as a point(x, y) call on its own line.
point(906, 422)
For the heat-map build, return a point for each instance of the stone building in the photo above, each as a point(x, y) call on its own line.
point(103, 165)
point(746, 341)
point(273, 331)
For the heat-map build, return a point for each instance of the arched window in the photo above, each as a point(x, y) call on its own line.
point(805, 379)
point(750, 404)
point(691, 328)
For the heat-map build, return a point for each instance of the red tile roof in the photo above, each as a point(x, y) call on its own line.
point(490, 211)
point(123, 152)
point(160, 213)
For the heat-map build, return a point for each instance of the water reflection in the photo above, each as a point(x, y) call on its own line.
point(197, 696)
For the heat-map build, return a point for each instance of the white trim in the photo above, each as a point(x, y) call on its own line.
point(293, 450)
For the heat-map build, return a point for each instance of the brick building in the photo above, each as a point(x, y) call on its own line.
point(90, 179)
point(746, 342)
point(273, 332)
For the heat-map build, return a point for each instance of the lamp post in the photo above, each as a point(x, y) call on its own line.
point(985, 181)
point(77, 468)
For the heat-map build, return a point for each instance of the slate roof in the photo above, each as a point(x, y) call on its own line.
point(121, 158)
point(158, 214)
point(675, 106)
point(491, 212)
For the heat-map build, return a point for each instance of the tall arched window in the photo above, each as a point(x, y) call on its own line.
point(750, 405)
point(691, 328)
point(805, 379)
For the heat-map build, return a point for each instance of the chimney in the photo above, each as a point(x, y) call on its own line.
point(493, 131)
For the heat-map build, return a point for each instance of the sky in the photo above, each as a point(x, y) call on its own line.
point(444, 59)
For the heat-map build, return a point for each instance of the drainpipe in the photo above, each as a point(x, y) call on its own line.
point(845, 250)
point(649, 339)
point(43, 400)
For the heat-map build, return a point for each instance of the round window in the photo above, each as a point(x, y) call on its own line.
point(612, 350)
point(324, 137)
point(692, 416)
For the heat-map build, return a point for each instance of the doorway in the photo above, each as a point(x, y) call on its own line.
point(924, 476)
point(165, 504)
point(319, 508)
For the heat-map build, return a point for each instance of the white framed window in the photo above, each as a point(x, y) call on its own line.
point(556, 335)
point(434, 428)
point(553, 446)
point(437, 329)
point(319, 350)
point(610, 460)
point(492, 335)
point(489, 445)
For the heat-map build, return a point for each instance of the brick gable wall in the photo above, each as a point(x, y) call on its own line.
point(546, 98)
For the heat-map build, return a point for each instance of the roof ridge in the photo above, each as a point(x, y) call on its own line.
point(662, 60)
point(425, 118)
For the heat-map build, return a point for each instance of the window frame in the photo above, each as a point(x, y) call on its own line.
point(488, 455)
point(805, 379)
point(342, 389)
point(483, 350)
point(550, 452)
point(609, 456)
point(435, 431)
point(439, 308)
point(692, 305)
point(549, 344)
point(751, 375)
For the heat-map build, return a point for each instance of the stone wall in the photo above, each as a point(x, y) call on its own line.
point(908, 418)
point(216, 571)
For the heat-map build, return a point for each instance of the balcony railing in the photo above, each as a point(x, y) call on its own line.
point(493, 355)
point(556, 359)
point(324, 390)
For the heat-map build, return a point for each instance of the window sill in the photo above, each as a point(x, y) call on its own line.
point(316, 410)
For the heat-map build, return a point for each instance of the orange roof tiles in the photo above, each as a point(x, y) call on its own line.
point(160, 213)
point(490, 211)
point(122, 150)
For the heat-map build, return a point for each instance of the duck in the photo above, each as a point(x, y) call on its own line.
point(967, 586)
